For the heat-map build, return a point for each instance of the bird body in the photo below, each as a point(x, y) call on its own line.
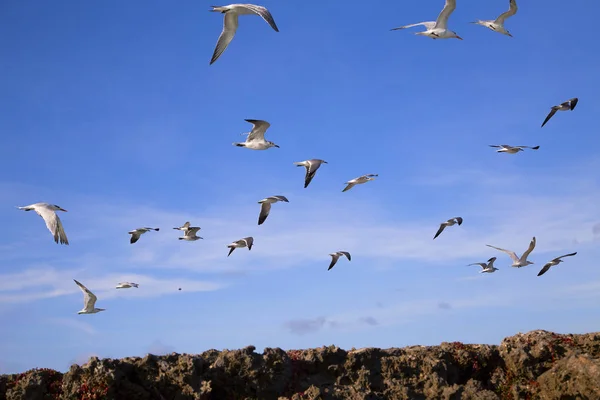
point(437, 29)
point(245, 242)
point(126, 285)
point(487, 267)
point(53, 223)
point(568, 105)
point(136, 233)
point(357, 181)
point(504, 148)
point(256, 137)
point(553, 262)
point(518, 262)
point(335, 256)
point(450, 222)
point(497, 25)
point(311, 168)
point(265, 207)
point(230, 23)
point(89, 301)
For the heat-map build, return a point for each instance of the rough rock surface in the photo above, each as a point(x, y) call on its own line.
point(535, 365)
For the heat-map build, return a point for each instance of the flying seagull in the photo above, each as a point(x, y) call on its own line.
point(357, 181)
point(53, 223)
point(256, 138)
point(266, 206)
point(89, 301)
point(437, 29)
point(184, 227)
point(311, 168)
point(126, 285)
point(245, 242)
point(136, 233)
point(555, 261)
point(190, 234)
point(497, 25)
point(566, 106)
point(230, 23)
point(450, 222)
point(487, 267)
point(518, 262)
point(335, 256)
point(504, 148)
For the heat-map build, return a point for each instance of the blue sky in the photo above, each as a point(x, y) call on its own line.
point(111, 110)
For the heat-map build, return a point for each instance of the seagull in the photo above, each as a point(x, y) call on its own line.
point(53, 223)
point(497, 25)
point(230, 23)
point(311, 168)
point(256, 138)
point(555, 261)
point(266, 206)
point(566, 106)
point(126, 285)
point(245, 242)
point(437, 29)
point(184, 227)
point(136, 233)
point(518, 262)
point(450, 222)
point(89, 301)
point(335, 256)
point(357, 181)
point(504, 148)
point(487, 267)
point(190, 234)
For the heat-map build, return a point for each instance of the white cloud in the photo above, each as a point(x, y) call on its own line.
point(73, 323)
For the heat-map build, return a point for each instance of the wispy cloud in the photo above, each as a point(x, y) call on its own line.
point(74, 324)
point(305, 326)
point(159, 348)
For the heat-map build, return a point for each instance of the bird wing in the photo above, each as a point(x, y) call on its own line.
point(230, 24)
point(264, 212)
point(573, 102)
point(334, 258)
point(529, 250)
point(280, 198)
point(135, 236)
point(442, 19)
point(258, 130)
point(512, 254)
point(346, 254)
point(249, 241)
point(459, 220)
point(53, 224)
point(192, 231)
point(491, 261)
point(349, 186)
point(552, 112)
point(566, 255)
point(544, 269)
point(482, 265)
point(442, 227)
point(428, 25)
point(512, 10)
point(311, 170)
point(89, 298)
point(186, 225)
point(263, 12)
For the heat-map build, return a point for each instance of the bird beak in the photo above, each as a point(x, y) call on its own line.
point(62, 209)
point(458, 37)
point(277, 146)
point(509, 34)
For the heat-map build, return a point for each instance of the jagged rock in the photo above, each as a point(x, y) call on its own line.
point(535, 365)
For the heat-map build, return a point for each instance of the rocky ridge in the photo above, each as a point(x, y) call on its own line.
point(534, 365)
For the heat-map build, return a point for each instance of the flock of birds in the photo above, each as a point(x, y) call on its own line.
point(256, 141)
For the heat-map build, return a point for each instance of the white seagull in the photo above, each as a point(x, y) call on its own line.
point(245, 242)
point(53, 223)
point(265, 207)
point(230, 23)
point(487, 267)
point(497, 25)
point(256, 137)
point(450, 222)
point(504, 148)
point(437, 29)
point(311, 168)
point(566, 106)
point(335, 256)
point(136, 233)
point(518, 262)
point(89, 301)
point(553, 262)
point(357, 181)
point(126, 285)
point(190, 234)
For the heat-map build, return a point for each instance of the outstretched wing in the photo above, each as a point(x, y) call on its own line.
point(135, 236)
point(512, 10)
point(442, 19)
point(249, 242)
point(230, 24)
point(349, 186)
point(566, 255)
point(263, 12)
point(544, 269)
point(550, 115)
point(192, 231)
point(428, 25)
point(311, 170)
point(512, 254)
point(265, 208)
point(346, 254)
point(442, 227)
point(53, 224)
point(482, 265)
point(459, 220)
point(573, 102)
point(258, 130)
point(529, 249)
point(334, 258)
point(89, 298)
